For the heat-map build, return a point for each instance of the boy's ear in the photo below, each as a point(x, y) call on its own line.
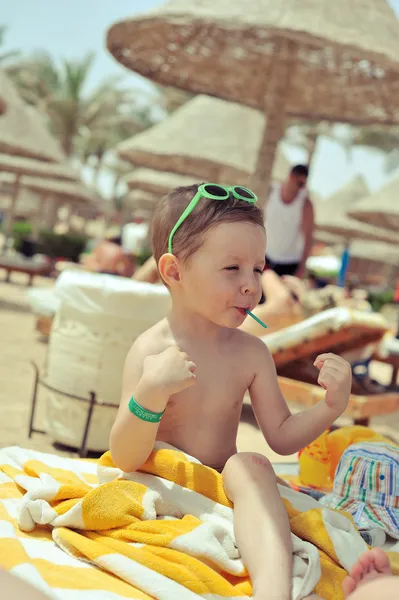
point(169, 268)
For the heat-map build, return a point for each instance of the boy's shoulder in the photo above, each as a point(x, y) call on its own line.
point(152, 341)
point(252, 345)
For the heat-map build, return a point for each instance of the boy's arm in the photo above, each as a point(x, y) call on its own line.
point(131, 439)
point(287, 433)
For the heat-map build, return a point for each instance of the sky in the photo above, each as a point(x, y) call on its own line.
point(72, 28)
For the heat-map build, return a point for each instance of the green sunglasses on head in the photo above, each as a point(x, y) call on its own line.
point(213, 191)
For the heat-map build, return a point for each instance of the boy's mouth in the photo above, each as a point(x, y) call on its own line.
point(242, 311)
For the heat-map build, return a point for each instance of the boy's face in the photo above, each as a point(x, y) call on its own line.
point(223, 278)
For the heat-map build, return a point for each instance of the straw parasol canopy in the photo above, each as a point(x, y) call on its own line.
point(314, 59)
point(375, 260)
point(63, 190)
point(140, 199)
point(206, 138)
point(51, 194)
point(331, 215)
point(381, 208)
point(157, 182)
point(27, 205)
point(23, 130)
point(376, 252)
point(36, 168)
point(139, 204)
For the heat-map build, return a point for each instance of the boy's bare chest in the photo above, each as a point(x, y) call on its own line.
point(219, 388)
point(203, 419)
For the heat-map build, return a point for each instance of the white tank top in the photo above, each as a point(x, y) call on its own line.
point(285, 240)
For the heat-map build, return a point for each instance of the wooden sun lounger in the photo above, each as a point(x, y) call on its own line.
point(31, 268)
point(361, 408)
point(343, 332)
point(352, 338)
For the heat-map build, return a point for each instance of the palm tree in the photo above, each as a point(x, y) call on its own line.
point(382, 139)
point(171, 98)
point(86, 123)
point(5, 57)
point(305, 134)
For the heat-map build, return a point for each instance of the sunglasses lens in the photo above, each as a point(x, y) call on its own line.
point(216, 190)
point(244, 193)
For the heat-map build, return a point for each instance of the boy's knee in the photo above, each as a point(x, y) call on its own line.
point(244, 466)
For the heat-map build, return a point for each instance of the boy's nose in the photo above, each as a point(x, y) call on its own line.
point(250, 287)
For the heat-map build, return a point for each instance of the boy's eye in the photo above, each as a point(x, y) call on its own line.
point(260, 271)
point(232, 268)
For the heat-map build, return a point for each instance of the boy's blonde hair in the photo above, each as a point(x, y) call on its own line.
point(190, 235)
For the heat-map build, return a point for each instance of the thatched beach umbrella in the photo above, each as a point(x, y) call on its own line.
point(139, 202)
point(316, 59)
point(375, 259)
point(19, 171)
point(19, 165)
point(28, 148)
point(23, 130)
point(51, 193)
point(207, 138)
point(331, 215)
point(140, 199)
point(157, 182)
point(381, 208)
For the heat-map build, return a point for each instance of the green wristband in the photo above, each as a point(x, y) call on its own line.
point(144, 414)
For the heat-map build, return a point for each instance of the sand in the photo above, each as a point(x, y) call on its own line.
point(20, 344)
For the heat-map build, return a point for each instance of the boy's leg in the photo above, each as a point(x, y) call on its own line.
point(385, 588)
point(261, 525)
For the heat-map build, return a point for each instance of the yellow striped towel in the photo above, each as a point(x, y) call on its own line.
point(164, 532)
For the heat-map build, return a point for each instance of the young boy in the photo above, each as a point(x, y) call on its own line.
point(185, 378)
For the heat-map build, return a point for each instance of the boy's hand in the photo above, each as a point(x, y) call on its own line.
point(336, 378)
point(171, 370)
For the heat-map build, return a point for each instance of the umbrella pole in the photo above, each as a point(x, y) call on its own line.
point(343, 272)
point(38, 221)
point(278, 92)
point(52, 213)
point(10, 216)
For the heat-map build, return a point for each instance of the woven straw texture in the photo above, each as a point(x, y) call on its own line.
point(342, 57)
point(23, 130)
point(380, 208)
point(157, 182)
point(376, 252)
point(139, 199)
point(331, 214)
point(66, 191)
point(27, 204)
point(377, 261)
point(36, 168)
point(207, 138)
point(93, 330)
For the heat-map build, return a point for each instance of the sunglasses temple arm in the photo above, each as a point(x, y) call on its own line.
point(182, 218)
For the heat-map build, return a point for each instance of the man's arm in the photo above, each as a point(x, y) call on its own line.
point(308, 230)
point(285, 433)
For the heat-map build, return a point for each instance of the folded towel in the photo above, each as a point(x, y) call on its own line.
point(167, 530)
